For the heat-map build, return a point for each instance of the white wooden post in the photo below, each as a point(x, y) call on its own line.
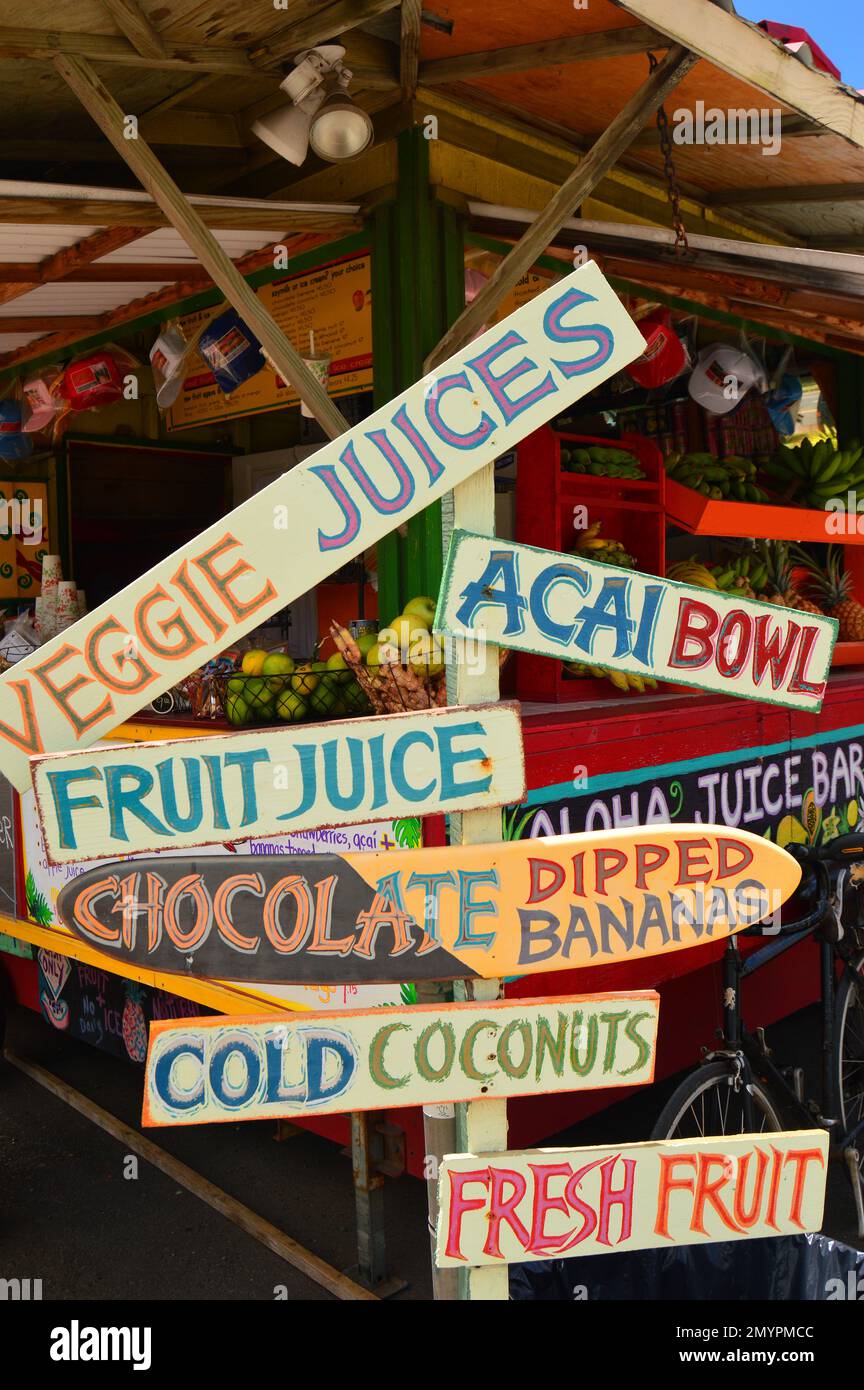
point(472, 679)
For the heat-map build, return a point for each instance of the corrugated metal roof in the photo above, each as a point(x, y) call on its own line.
point(165, 244)
point(32, 242)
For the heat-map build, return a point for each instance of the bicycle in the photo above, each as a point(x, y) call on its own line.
point(734, 1088)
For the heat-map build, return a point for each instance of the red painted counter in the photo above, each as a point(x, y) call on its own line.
point(674, 757)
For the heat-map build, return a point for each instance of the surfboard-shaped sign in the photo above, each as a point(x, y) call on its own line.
point(547, 1204)
point(519, 908)
point(202, 1070)
point(314, 519)
point(180, 793)
point(575, 609)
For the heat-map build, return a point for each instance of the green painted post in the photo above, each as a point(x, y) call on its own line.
point(417, 292)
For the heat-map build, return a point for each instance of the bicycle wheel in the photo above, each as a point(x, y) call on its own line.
point(706, 1104)
point(849, 1048)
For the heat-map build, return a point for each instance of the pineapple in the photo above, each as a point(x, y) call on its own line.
point(833, 587)
point(779, 586)
point(134, 1023)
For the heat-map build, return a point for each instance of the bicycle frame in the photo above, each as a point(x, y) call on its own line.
point(738, 1039)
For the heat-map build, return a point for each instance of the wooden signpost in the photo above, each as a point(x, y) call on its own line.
point(496, 1209)
point(573, 609)
point(461, 912)
point(314, 519)
point(208, 1069)
point(186, 792)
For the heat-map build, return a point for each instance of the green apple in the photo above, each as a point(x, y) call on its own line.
point(426, 655)
point(258, 693)
point(422, 609)
point(236, 708)
point(338, 667)
point(323, 701)
point(277, 667)
point(365, 641)
point(290, 707)
point(305, 679)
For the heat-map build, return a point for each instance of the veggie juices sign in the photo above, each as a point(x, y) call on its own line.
point(575, 609)
point(464, 911)
point(312, 520)
point(554, 1203)
point(208, 1069)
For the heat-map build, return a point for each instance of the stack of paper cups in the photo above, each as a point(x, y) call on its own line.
point(52, 573)
point(67, 604)
point(37, 616)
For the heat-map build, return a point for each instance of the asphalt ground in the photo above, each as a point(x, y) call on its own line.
point(71, 1217)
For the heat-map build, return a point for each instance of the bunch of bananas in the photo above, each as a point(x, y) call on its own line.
point(810, 474)
point(631, 685)
point(692, 571)
point(600, 460)
point(596, 547)
point(728, 479)
point(745, 575)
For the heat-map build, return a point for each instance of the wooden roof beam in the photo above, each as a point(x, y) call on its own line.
point(748, 53)
point(578, 186)
point(108, 48)
point(131, 21)
point(409, 48)
point(130, 213)
point(29, 274)
point(580, 48)
point(327, 23)
point(790, 193)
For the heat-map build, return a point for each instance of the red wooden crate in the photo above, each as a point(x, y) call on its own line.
point(631, 511)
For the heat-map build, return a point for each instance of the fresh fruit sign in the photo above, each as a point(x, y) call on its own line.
point(465, 911)
point(310, 522)
point(545, 1204)
point(178, 793)
point(575, 609)
point(208, 1069)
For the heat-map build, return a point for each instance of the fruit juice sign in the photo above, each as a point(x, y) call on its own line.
point(314, 519)
point(574, 609)
point(180, 793)
point(463, 911)
point(372, 1059)
point(556, 1203)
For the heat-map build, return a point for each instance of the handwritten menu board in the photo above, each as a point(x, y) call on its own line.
point(333, 302)
point(8, 897)
point(102, 1009)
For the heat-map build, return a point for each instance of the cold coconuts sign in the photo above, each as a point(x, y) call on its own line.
point(208, 1069)
point(331, 507)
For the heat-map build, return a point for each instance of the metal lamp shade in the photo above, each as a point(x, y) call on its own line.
point(286, 131)
point(340, 130)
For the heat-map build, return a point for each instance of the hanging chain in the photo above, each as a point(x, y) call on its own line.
point(672, 189)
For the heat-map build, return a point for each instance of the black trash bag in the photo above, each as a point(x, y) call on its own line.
point(810, 1268)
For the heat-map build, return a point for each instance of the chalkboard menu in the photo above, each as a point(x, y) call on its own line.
point(103, 1009)
point(8, 901)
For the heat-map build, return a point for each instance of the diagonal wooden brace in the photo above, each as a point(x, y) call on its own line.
point(99, 103)
point(604, 153)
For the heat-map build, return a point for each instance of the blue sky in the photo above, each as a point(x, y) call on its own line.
point(836, 25)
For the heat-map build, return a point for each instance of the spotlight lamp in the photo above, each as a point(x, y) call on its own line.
point(321, 112)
